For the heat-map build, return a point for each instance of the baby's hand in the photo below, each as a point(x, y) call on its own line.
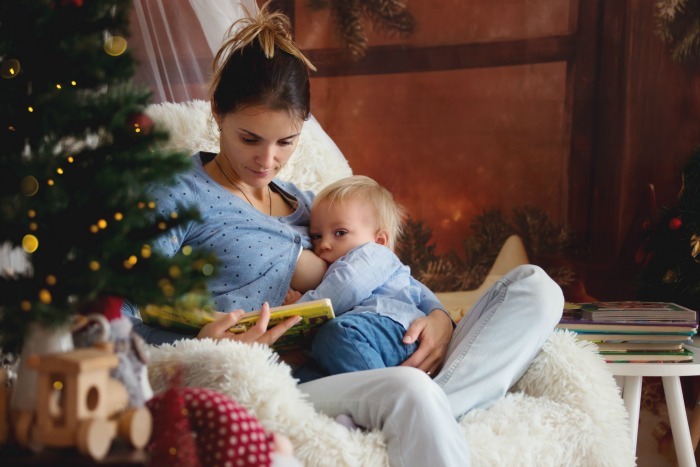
point(292, 297)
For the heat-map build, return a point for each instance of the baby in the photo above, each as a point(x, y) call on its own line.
point(354, 224)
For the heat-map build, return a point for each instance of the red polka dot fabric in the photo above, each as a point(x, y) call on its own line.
point(226, 434)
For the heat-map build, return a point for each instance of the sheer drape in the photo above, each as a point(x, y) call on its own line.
point(175, 41)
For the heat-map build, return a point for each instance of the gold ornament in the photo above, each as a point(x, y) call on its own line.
point(30, 243)
point(115, 46)
point(670, 277)
point(9, 68)
point(29, 186)
point(695, 247)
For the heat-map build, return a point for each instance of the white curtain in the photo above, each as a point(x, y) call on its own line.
point(175, 42)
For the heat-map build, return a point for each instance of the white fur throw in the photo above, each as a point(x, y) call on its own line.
point(565, 411)
point(316, 162)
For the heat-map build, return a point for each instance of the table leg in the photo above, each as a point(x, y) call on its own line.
point(679, 421)
point(632, 396)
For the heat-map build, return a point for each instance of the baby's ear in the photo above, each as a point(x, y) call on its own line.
point(382, 237)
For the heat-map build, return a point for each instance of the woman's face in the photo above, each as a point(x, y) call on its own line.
point(257, 142)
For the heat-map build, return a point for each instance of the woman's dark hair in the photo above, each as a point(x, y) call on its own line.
point(261, 65)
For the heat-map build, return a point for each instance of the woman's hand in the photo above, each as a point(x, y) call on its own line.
point(434, 333)
point(219, 328)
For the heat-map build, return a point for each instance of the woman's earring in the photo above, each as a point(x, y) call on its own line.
point(219, 128)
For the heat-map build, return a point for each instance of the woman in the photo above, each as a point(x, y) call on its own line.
point(257, 226)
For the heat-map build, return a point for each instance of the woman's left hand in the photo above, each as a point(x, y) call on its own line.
point(434, 333)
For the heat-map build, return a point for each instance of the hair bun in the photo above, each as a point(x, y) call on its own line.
point(271, 28)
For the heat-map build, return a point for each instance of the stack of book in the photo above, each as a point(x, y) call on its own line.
point(634, 331)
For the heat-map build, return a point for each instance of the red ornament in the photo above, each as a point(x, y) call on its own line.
point(140, 123)
point(225, 433)
point(675, 223)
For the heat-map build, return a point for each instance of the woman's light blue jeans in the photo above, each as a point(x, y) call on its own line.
point(490, 350)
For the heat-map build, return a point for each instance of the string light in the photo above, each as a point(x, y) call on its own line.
point(44, 296)
point(94, 265)
point(58, 385)
point(162, 225)
point(151, 205)
point(70, 159)
point(59, 171)
point(73, 83)
point(94, 228)
point(173, 215)
point(102, 224)
point(208, 269)
point(33, 226)
point(49, 182)
point(30, 108)
point(31, 213)
point(174, 272)
point(58, 86)
point(146, 251)
point(118, 216)
point(51, 280)
point(186, 250)
point(26, 305)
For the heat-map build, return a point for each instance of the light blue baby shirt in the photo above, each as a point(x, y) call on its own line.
point(371, 279)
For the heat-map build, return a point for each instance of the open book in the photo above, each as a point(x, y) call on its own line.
point(299, 337)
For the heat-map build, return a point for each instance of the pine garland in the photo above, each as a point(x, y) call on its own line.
point(546, 245)
point(389, 16)
point(678, 24)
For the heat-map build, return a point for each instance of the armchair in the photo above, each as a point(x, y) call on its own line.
point(565, 410)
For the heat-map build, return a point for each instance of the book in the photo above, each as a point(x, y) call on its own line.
point(298, 337)
point(578, 324)
point(634, 310)
point(605, 346)
point(648, 357)
point(633, 337)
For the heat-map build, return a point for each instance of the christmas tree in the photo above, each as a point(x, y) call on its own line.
point(76, 158)
point(670, 254)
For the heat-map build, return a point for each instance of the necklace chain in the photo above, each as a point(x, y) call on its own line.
point(269, 193)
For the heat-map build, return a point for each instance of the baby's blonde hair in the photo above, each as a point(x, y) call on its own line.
point(389, 214)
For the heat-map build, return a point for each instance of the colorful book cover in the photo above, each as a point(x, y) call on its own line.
point(298, 337)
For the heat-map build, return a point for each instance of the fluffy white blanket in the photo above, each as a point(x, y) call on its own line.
point(565, 411)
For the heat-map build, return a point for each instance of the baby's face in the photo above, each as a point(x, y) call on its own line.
point(338, 228)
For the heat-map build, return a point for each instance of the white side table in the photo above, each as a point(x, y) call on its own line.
point(670, 374)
